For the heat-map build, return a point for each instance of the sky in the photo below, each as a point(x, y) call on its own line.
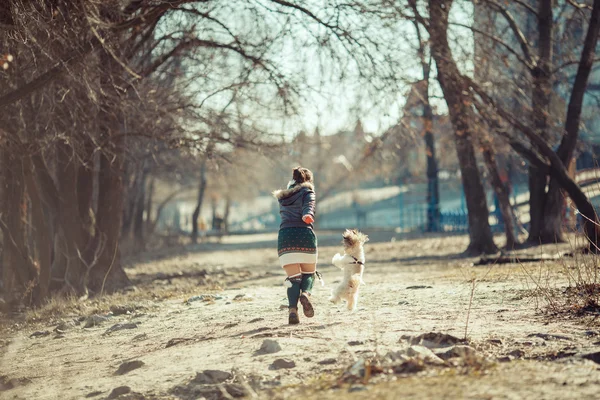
point(326, 102)
point(336, 109)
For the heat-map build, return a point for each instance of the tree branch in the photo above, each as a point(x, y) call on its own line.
point(48, 76)
point(525, 47)
point(499, 41)
point(304, 11)
point(527, 6)
point(569, 139)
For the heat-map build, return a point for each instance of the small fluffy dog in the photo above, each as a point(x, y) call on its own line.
point(352, 262)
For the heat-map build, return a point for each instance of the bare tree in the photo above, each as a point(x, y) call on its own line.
point(455, 93)
point(102, 87)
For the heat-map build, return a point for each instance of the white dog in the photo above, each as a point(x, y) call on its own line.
point(352, 262)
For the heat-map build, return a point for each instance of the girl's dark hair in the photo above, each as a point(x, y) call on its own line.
point(301, 175)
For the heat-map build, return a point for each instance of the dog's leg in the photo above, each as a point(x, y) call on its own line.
point(337, 260)
point(352, 301)
point(335, 296)
point(351, 304)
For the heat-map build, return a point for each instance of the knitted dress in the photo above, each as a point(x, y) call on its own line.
point(297, 242)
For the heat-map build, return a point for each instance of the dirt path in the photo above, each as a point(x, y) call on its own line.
point(412, 287)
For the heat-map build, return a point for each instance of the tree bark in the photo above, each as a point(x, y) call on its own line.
point(85, 185)
point(149, 205)
point(226, 214)
point(138, 217)
point(503, 196)
point(433, 191)
point(43, 232)
point(545, 227)
point(201, 190)
point(18, 268)
point(108, 274)
point(74, 238)
point(454, 89)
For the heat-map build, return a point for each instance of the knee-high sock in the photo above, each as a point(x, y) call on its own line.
point(307, 282)
point(293, 292)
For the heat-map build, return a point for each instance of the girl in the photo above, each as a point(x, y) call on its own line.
point(297, 242)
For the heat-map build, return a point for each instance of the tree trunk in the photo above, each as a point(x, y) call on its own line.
point(108, 275)
point(43, 232)
point(138, 217)
point(74, 238)
point(129, 195)
point(226, 214)
point(555, 204)
point(503, 196)
point(433, 190)
point(558, 171)
point(18, 268)
point(149, 205)
point(85, 186)
point(201, 190)
point(545, 226)
point(454, 89)
point(590, 220)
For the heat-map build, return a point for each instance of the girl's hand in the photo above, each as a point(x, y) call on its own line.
point(308, 219)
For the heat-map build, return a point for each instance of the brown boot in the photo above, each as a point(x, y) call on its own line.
point(307, 307)
point(293, 318)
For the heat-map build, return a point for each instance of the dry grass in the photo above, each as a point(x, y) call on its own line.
point(383, 382)
point(570, 285)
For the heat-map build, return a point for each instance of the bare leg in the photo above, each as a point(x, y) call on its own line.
point(308, 268)
point(292, 269)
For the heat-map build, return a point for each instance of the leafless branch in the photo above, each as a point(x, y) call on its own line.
point(525, 46)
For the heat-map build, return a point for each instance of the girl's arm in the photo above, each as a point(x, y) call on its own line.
point(308, 207)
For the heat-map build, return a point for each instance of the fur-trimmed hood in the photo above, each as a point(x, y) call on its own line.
point(285, 193)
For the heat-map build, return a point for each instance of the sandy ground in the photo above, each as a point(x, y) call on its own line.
point(412, 287)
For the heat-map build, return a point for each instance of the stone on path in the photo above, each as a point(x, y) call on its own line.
point(64, 326)
point(129, 366)
point(94, 320)
point(282, 363)
point(118, 391)
point(269, 346)
point(595, 357)
point(423, 353)
point(211, 376)
point(39, 334)
point(120, 327)
point(434, 340)
point(457, 351)
point(121, 310)
point(327, 361)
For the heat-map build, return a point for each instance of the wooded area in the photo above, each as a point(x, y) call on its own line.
point(102, 99)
